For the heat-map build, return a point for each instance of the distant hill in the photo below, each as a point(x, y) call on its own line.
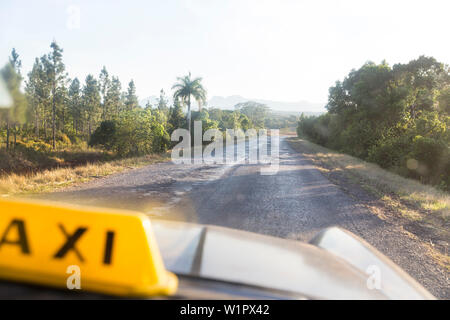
point(309, 108)
point(276, 106)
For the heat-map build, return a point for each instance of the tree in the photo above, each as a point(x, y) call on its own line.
point(105, 135)
point(420, 79)
point(256, 112)
point(104, 83)
point(138, 126)
point(148, 106)
point(187, 87)
point(55, 73)
point(162, 102)
point(131, 100)
point(113, 96)
point(207, 123)
point(91, 102)
point(75, 104)
point(33, 93)
point(45, 90)
point(15, 61)
point(17, 112)
point(60, 108)
point(390, 116)
point(176, 117)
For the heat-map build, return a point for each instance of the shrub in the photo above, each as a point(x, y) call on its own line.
point(389, 153)
point(315, 128)
point(432, 156)
point(105, 135)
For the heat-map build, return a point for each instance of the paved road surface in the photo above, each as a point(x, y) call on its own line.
point(295, 203)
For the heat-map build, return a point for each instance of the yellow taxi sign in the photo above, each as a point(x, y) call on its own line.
point(113, 252)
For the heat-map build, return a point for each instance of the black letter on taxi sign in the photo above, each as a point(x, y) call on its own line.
point(70, 243)
point(108, 247)
point(22, 241)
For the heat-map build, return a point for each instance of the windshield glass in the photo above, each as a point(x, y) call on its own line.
point(243, 130)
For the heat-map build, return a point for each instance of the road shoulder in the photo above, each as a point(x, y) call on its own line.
point(422, 235)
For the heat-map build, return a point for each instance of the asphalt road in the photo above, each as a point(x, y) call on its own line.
point(294, 203)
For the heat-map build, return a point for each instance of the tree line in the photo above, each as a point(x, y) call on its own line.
point(54, 105)
point(397, 117)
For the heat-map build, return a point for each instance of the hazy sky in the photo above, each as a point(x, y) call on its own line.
point(278, 50)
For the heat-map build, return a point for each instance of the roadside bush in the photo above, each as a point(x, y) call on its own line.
point(315, 128)
point(445, 177)
point(135, 133)
point(105, 135)
point(396, 117)
point(161, 138)
point(432, 156)
point(390, 153)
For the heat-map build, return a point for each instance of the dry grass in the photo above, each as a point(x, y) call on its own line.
point(49, 180)
point(413, 199)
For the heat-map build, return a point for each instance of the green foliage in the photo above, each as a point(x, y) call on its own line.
point(16, 114)
point(396, 117)
point(207, 123)
point(390, 153)
point(91, 102)
point(162, 102)
point(135, 132)
point(105, 135)
point(131, 100)
point(105, 83)
point(432, 156)
point(228, 119)
point(176, 118)
point(255, 112)
point(113, 98)
point(187, 87)
point(160, 137)
point(55, 75)
point(57, 114)
point(279, 121)
point(184, 89)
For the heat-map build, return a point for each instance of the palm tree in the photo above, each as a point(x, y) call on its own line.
point(187, 87)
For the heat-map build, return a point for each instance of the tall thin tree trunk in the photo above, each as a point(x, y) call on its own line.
point(36, 124)
point(45, 127)
point(63, 128)
point(90, 130)
point(15, 136)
